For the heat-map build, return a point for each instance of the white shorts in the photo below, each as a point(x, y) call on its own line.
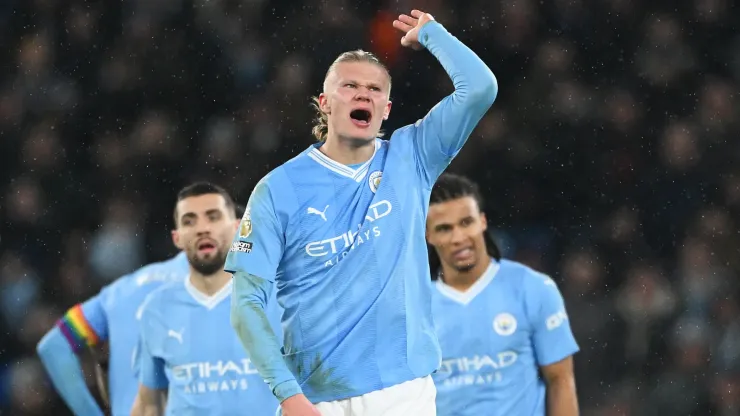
point(412, 398)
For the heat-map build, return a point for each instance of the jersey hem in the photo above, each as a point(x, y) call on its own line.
point(315, 399)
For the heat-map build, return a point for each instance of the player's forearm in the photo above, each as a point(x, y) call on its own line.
point(250, 321)
point(149, 402)
point(137, 409)
point(151, 409)
point(64, 369)
point(561, 397)
point(475, 85)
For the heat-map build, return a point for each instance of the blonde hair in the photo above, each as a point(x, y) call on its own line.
point(321, 127)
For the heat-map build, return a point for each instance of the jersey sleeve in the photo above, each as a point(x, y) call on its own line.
point(86, 324)
point(150, 367)
point(552, 337)
point(65, 372)
point(258, 246)
point(440, 135)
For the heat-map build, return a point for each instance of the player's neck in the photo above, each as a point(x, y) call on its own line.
point(348, 151)
point(463, 280)
point(209, 285)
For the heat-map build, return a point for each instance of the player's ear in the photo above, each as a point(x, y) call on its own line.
point(387, 110)
point(324, 103)
point(483, 221)
point(176, 239)
point(428, 236)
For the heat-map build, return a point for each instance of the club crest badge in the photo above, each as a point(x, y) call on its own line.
point(504, 324)
point(245, 229)
point(374, 180)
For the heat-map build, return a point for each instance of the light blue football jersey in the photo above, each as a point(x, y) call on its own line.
point(189, 348)
point(111, 316)
point(494, 338)
point(346, 245)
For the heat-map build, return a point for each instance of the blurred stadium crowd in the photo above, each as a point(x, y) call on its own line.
point(607, 161)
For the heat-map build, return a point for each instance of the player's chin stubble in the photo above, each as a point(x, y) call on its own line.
point(464, 268)
point(208, 266)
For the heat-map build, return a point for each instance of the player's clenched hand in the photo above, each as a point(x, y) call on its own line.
point(410, 26)
point(299, 405)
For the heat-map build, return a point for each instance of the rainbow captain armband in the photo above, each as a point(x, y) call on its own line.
point(77, 330)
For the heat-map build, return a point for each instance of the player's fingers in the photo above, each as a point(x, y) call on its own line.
point(408, 20)
point(402, 26)
point(417, 13)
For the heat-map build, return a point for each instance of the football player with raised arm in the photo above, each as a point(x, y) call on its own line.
point(339, 231)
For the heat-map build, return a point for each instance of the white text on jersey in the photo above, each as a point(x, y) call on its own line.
point(339, 246)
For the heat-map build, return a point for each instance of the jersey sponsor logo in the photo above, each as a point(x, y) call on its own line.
point(374, 180)
point(211, 377)
point(241, 247)
point(334, 249)
point(245, 229)
point(556, 320)
point(476, 369)
point(504, 324)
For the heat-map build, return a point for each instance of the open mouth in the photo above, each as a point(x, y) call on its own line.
point(463, 254)
point(360, 117)
point(206, 247)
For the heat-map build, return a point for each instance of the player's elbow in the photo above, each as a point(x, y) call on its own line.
point(41, 347)
point(239, 309)
point(246, 318)
point(484, 91)
point(46, 345)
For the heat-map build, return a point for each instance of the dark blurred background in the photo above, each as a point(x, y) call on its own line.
point(609, 160)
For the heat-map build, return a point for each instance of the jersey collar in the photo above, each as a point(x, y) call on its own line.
point(465, 297)
point(209, 302)
point(341, 169)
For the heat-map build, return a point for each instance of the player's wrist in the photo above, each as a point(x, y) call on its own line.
point(286, 390)
point(429, 29)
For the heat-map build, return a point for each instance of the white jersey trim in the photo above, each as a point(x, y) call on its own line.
point(344, 170)
point(209, 302)
point(467, 296)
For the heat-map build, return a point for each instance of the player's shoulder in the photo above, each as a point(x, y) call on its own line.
point(172, 269)
point(166, 292)
point(160, 299)
point(401, 137)
point(284, 186)
point(297, 165)
point(524, 276)
point(278, 179)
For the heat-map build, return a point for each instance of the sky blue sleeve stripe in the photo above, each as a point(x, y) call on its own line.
point(248, 317)
point(65, 372)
